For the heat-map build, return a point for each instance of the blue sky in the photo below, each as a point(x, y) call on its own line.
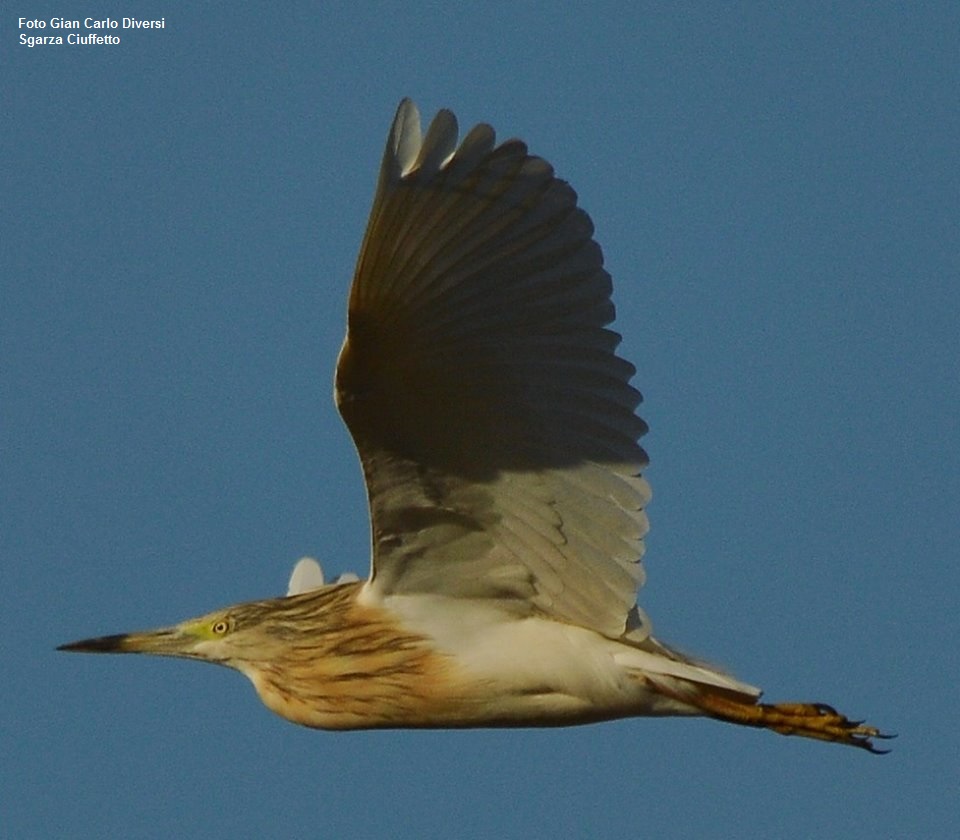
point(775, 187)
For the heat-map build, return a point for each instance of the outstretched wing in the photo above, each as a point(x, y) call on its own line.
point(494, 422)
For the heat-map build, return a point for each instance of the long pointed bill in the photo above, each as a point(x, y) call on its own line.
point(168, 641)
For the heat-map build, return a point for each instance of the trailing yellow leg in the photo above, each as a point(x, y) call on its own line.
point(808, 720)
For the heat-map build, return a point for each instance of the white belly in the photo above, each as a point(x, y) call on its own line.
point(535, 670)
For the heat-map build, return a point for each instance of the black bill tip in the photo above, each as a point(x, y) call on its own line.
point(102, 644)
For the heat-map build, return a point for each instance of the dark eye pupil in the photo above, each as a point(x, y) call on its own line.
point(220, 627)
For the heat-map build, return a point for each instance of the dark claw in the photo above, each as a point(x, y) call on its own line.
point(867, 745)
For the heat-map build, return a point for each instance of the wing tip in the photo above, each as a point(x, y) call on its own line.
point(403, 141)
point(307, 575)
point(409, 150)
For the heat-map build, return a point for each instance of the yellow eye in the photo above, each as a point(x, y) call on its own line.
point(220, 627)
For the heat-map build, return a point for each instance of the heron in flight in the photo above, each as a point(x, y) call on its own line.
point(497, 432)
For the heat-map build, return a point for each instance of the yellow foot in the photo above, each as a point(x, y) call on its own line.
point(809, 720)
point(820, 721)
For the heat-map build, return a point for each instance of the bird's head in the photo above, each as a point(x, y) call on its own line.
point(307, 654)
point(272, 634)
point(234, 636)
